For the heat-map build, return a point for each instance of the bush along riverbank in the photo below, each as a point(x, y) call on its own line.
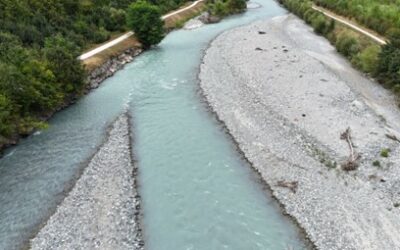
point(218, 9)
point(380, 62)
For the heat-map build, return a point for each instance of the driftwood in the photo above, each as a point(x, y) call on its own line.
point(352, 161)
point(292, 185)
point(392, 137)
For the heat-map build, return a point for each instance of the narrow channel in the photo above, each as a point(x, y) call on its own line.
point(197, 191)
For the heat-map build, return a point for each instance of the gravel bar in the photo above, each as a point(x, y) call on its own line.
point(286, 97)
point(102, 210)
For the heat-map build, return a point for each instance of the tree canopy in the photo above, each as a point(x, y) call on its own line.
point(145, 20)
point(379, 15)
point(223, 8)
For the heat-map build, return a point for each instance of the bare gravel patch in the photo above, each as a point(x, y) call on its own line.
point(286, 97)
point(102, 210)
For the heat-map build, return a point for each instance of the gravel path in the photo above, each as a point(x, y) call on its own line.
point(102, 210)
point(286, 97)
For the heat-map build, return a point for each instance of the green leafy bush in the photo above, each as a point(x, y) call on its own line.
point(367, 60)
point(347, 44)
point(385, 152)
point(145, 20)
point(321, 24)
point(389, 65)
point(236, 6)
point(221, 8)
point(61, 56)
point(101, 35)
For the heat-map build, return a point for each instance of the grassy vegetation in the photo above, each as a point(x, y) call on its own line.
point(383, 63)
point(376, 163)
point(385, 152)
point(222, 8)
point(383, 16)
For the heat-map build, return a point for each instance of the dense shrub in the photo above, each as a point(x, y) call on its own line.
point(61, 56)
point(236, 6)
point(218, 9)
point(321, 24)
point(347, 44)
point(116, 21)
point(100, 35)
point(145, 20)
point(223, 8)
point(368, 59)
point(388, 69)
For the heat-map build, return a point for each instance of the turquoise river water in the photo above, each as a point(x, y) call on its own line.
point(197, 191)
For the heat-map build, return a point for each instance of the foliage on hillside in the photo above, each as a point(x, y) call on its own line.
point(380, 62)
point(39, 43)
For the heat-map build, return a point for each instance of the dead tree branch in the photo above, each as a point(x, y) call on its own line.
point(392, 137)
point(292, 185)
point(352, 162)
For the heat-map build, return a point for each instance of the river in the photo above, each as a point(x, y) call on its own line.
point(197, 191)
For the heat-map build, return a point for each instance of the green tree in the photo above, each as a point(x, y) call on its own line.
point(145, 20)
point(45, 93)
point(61, 56)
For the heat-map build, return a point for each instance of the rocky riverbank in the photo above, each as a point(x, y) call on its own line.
point(102, 210)
point(110, 67)
point(288, 99)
